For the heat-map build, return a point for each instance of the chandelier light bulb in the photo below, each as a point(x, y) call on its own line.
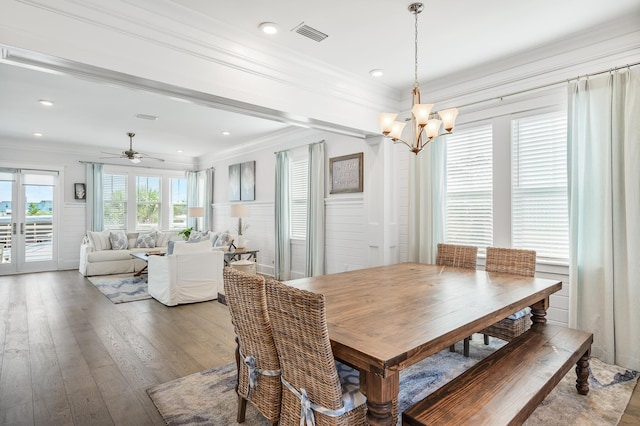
point(433, 128)
point(396, 130)
point(386, 120)
point(421, 113)
point(448, 117)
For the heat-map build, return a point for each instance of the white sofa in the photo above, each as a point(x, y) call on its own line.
point(192, 273)
point(98, 258)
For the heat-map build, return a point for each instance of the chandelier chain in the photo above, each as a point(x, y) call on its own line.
point(415, 81)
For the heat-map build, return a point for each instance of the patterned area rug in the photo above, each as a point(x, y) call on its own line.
point(121, 289)
point(209, 398)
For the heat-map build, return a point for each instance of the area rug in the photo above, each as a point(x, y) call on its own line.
point(209, 398)
point(121, 289)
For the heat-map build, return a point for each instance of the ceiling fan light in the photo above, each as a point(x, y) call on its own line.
point(134, 160)
point(448, 117)
point(386, 120)
point(421, 113)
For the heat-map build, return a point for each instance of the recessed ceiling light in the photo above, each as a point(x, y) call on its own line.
point(376, 73)
point(269, 28)
point(226, 133)
point(37, 134)
point(45, 102)
point(180, 151)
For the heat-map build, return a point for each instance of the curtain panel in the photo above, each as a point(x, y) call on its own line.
point(604, 213)
point(94, 196)
point(427, 200)
point(282, 258)
point(315, 261)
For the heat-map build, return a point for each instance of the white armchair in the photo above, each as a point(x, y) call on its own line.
point(192, 273)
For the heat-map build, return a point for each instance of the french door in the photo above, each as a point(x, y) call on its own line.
point(28, 201)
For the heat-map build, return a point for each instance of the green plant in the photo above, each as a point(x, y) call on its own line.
point(186, 232)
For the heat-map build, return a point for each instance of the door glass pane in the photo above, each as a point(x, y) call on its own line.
point(38, 224)
point(6, 195)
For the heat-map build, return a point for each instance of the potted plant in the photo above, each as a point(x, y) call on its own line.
point(186, 232)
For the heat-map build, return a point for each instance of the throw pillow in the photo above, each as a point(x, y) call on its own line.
point(118, 240)
point(214, 237)
point(163, 237)
point(223, 240)
point(170, 246)
point(99, 240)
point(197, 236)
point(146, 240)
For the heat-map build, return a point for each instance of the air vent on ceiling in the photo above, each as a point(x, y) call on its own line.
point(309, 32)
point(146, 117)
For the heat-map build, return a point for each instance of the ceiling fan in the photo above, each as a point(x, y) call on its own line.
point(130, 154)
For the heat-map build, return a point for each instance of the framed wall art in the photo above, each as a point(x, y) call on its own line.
point(234, 182)
point(248, 181)
point(79, 191)
point(346, 173)
point(242, 181)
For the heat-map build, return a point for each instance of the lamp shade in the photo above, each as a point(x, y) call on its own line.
point(196, 211)
point(239, 210)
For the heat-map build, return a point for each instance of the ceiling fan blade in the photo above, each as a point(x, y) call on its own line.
point(112, 153)
point(151, 158)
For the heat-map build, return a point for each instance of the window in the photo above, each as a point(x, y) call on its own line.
point(114, 189)
point(469, 212)
point(147, 202)
point(178, 218)
point(539, 210)
point(299, 189)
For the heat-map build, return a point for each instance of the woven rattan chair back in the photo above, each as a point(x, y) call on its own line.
point(457, 255)
point(246, 299)
point(511, 261)
point(300, 332)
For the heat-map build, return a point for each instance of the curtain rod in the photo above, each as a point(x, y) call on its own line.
point(126, 165)
point(286, 150)
point(544, 86)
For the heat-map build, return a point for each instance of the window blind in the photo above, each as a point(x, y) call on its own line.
point(539, 207)
point(299, 188)
point(469, 210)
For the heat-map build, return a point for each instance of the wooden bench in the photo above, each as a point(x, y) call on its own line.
point(508, 385)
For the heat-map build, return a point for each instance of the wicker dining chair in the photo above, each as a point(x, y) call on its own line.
point(516, 262)
point(256, 357)
point(462, 257)
point(310, 375)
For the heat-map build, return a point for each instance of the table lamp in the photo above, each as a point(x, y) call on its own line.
point(239, 211)
point(196, 212)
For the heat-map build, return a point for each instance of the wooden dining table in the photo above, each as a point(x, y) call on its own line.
point(383, 319)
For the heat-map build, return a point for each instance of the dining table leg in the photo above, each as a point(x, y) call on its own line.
point(380, 392)
point(539, 311)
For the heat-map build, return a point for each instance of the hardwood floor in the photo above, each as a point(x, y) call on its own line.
point(68, 356)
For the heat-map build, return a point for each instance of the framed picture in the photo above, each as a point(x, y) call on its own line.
point(346, 173)
point(79, 191)
point(234, 182)
point(248, 181)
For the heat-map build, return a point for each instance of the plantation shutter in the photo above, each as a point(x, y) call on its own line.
point(469, 217)
point(539, 210)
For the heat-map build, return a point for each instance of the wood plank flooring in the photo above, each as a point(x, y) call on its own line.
point(68, 356)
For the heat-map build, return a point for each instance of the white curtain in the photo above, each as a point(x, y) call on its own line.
point(315, 211)
point(207, 203)
point(427, 199)
point(604, 213)
point(192, 196)
point(94, 197)
point(282, 268)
